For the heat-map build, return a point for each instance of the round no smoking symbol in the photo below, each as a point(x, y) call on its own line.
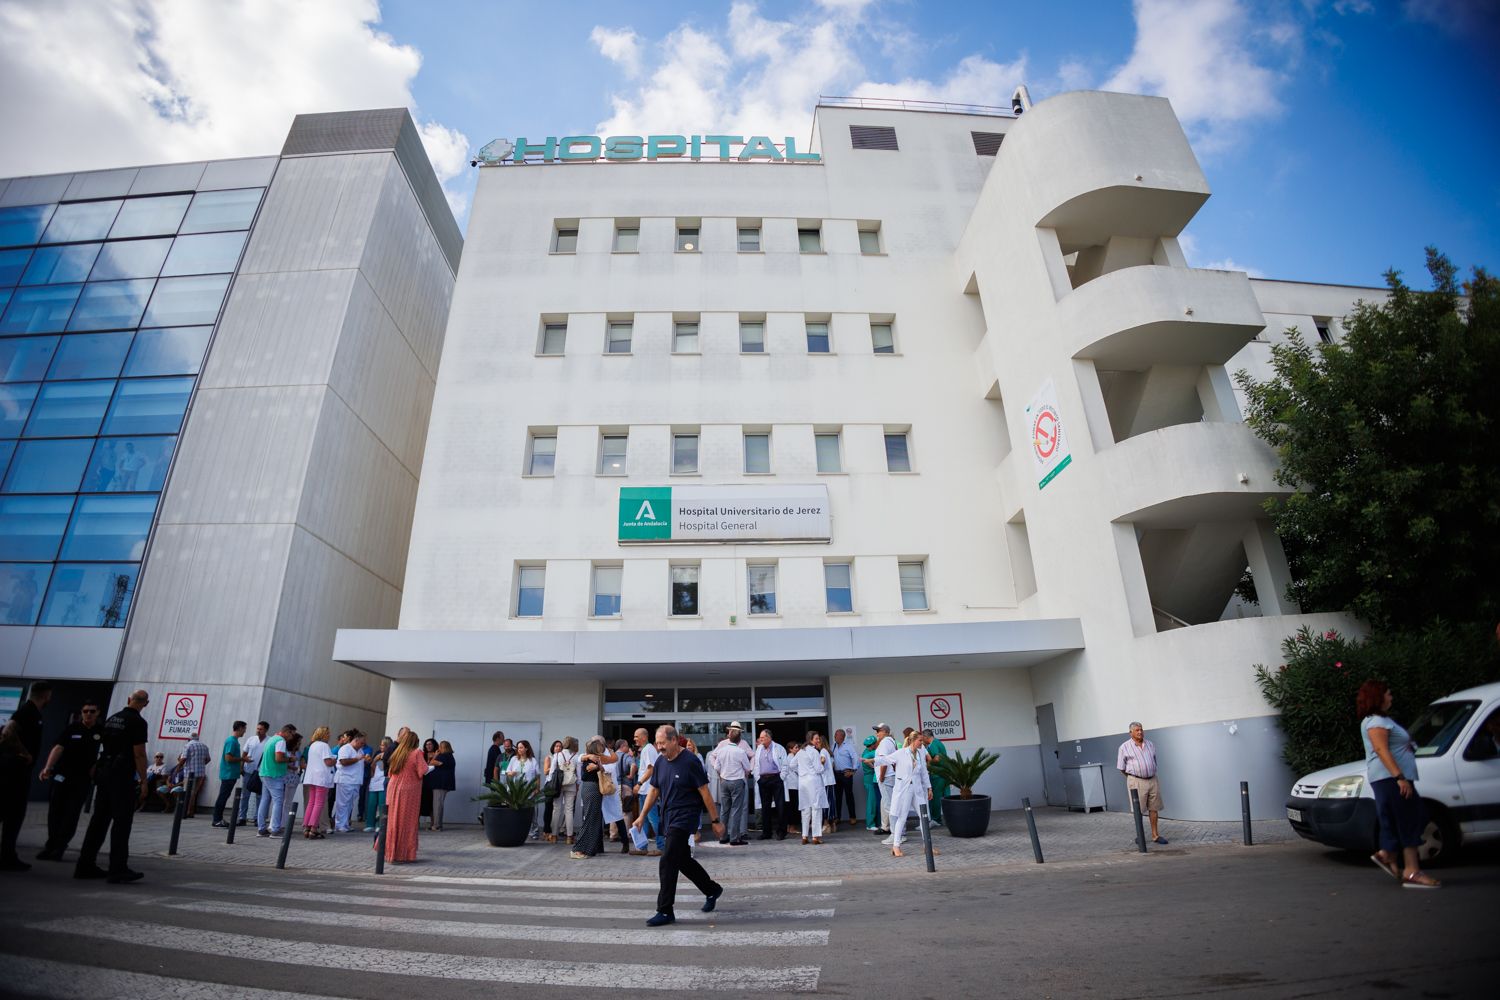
point(940, 708)
point(1046, 434)
point(183, 708)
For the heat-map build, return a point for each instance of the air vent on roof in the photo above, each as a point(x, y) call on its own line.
point(987, 143)
point(873, 137)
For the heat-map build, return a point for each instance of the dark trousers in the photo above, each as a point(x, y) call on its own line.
point(15, 783)
point(114, 812)
point(843, 791)
point(771, 819)
point(63, 811)
point(677, 858)
point(226, 789)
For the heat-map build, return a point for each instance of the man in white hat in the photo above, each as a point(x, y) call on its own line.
point(732, 760)
point(886, 775)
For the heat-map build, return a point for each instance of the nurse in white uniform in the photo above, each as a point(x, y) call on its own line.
point(610, 805)
point(910, 764)
point(828, 776)
point(809, 769)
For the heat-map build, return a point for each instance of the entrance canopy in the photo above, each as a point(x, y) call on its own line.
point(618, 654)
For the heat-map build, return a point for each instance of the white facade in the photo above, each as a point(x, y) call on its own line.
point(1057, 614)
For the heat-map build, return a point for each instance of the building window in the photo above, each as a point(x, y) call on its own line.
point(565, 240)
point(829, 460)
point(897, 453)
point(913, 586)
point(817, 338)
point(612, 454)
point(838, 588)
point(1325, 333)
point(684, 454)
point(753, 337)
point(987, 143)
point(757, 454)
point(687, 239)
point(810, 239)
point(619, 337)
point(541, 455)
point(883, 338)
point(554, 339)
point(627, 238)
point(684, 591)
point(749, 239)
point(607, 591)
point(872, 137)
point(531, 589)
point(761, 580)
point(685, 338)
point(869, 238)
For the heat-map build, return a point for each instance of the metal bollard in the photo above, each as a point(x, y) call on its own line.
point(286, 836)
point(1245, 812)
point(1140, 828)
point(1036, 844)
point(234, 816)
point(380, 842)
point(923, 817)
point(177, 815)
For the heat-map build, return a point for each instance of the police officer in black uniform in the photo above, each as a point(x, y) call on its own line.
point(120, 777)
point(68, 771)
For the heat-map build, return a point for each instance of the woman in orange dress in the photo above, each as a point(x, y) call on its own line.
point(403, 793)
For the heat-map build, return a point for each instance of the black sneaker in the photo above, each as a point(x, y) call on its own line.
point(91, 871)
point(741, 842)
point(262, 833)
point(49, 855)
point(711, 901)
point(661, 920)
point(724, 841)
point(218, 823)
point(125, 877)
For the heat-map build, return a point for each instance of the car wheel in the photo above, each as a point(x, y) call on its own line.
point(1439, 839)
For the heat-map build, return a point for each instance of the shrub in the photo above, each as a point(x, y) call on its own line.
point(964, 772)
point(511, 791)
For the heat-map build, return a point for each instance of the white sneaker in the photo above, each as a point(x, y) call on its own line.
point(888, 842)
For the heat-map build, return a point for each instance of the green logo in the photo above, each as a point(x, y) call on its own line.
point(645, 514)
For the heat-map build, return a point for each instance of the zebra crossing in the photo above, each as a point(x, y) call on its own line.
point(444, 935)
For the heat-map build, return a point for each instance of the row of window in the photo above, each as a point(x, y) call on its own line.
point(541, 452)
point(86, 528)
point(86, 465)
point(682, 597)
point(94, 595)
point(165, 257)
point(689, 236)
point(620, 336)
point(174, 350)
point(129, 218)
point(112, 305)
point(84, 409)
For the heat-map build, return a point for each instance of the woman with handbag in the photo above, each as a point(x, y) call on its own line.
point(594, 777)
point(612, 803)
point(551, 786)
point(565, 761)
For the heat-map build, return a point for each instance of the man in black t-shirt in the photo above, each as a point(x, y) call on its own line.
point(120, 777)
point(681, 784)
point(20, 745)
point(69, 767)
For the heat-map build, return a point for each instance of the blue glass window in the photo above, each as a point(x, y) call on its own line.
point(176, 350)
point(4, 297)
point(21, 588)
point(12, 265)
point(15, 405)
point(6, 447)
point(149, 406)
point(23, 225)
point(132, 259)
point(59, 265)
point(106, 527)
point(218, 211)
point(25, 359)
point(91, 355)
point(150, 216)
point(209, 253)
point(94, 595)
point(69, 409)
point(111, 305)
point(185, 301)
point(32, 527)
point(128, 465)
point(48, 466)
point(81, 220)
point(43, 309)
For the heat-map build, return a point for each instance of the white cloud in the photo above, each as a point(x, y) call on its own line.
point(975, 80)
point(105, 83)
point(619, 45)
point(1230, 264)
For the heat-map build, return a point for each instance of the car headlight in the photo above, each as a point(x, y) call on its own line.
point(1347, 787)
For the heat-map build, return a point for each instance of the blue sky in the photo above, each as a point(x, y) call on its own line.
point(1339, 136)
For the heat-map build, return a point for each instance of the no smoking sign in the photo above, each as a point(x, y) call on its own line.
point(943, 714)
point(182, 716)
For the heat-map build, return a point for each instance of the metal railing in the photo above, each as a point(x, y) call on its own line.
point(897, 104)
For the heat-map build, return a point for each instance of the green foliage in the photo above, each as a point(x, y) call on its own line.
point(1389, 438)
point(511, 791)
point(1315, 688)
point(963, 772)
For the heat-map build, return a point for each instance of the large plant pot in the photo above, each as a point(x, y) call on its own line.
point(506, 827)
point(966, 817)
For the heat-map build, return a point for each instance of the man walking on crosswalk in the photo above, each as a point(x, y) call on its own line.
point(681, 783)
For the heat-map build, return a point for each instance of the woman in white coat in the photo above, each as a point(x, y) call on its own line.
point(810, 762)
point(525, 764)
point(910, 762)
point(828, 776)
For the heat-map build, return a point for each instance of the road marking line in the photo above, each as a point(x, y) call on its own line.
point(40, 977)
point(384, 961)
point(501, 883)
point(359, 891)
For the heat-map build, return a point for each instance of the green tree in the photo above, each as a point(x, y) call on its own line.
point(1389, 439)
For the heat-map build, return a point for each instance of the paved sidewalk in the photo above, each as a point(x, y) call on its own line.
point(463, 851)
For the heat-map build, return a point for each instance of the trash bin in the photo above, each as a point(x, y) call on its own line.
point(1085, 786)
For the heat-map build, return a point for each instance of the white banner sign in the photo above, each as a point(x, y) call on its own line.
point(182, 716)
point(1049, 445)
point(741, 513)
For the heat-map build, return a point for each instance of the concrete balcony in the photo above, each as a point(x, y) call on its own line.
point(1141, 316)
point(1188, 474)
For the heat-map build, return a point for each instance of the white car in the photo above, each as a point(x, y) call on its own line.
point(1458, 758)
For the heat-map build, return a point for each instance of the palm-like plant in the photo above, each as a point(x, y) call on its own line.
point(511, 791)
point(963, 772)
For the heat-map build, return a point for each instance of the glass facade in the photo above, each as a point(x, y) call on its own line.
point(108, 307)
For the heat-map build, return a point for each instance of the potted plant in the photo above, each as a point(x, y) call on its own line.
point(966, 814)
point(509, 804)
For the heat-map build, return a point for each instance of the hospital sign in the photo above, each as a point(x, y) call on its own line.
point(724, 514)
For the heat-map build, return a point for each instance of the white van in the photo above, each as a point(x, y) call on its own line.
point(1458, 758)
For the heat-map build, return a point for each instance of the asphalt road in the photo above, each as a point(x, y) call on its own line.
point(1280, 921)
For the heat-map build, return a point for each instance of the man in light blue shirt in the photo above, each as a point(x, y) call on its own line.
point(845, 765)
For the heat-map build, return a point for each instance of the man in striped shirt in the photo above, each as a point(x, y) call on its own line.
point(195, 760)
point(1137, 761)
